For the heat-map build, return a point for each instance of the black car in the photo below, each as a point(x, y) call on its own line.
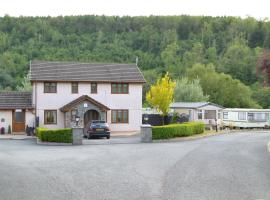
point(98, 128)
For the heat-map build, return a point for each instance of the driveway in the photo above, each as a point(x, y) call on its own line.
point(133, 139)
point(225, 167)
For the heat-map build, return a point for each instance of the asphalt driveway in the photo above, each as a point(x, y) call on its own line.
point(233, 166)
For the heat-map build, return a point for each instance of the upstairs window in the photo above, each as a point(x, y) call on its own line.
point(120, 88)
point(74, 88)
point(50, 87)
point(93, 88)
point(225, 115)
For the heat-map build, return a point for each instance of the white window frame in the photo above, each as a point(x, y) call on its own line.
point(200, 113)
point(242, 116)
point(225, 114)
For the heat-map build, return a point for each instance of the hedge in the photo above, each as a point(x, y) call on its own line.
point(56, 135)
point(177, 130)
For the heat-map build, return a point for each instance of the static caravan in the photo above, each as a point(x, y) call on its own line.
point(206, 112)
point(246, 118)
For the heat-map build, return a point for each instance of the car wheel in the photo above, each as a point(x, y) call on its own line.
point(108, 137)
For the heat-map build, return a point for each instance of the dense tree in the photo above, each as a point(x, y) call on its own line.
point(262, 96)
point(222, 88)
point(189, 91)
point(150, 76)
point(264, 67)
point(160, 95)
point(240, 61)
point(25, 86)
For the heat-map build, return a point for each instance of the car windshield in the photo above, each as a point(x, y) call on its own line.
point(98, 122)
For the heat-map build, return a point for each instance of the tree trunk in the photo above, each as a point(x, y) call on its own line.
point(163, 120)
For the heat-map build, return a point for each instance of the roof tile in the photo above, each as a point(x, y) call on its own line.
point(75, 71)
point(15, 100)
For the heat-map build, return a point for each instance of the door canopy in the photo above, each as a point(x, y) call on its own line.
point(82, 99)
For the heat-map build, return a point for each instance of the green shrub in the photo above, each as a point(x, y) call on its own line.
point(177, 130)
point(56, 135)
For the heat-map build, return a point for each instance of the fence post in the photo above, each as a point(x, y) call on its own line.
point(77, 135)
point(146, 133)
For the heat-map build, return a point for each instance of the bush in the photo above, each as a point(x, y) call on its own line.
point(57, 135)
point(177, 130)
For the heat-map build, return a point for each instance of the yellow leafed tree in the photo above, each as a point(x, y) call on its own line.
point(160, 95)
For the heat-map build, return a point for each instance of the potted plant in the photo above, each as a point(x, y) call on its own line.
point(9, 129)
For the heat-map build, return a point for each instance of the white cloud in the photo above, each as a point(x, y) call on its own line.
point(258, 8)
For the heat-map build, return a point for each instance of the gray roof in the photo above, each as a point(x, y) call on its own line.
point(15, 100)
point(192, 104)
point(75, 71)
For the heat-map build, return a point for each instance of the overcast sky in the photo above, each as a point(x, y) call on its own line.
point(255, 8)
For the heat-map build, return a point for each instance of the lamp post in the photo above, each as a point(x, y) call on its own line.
point(216, 125)
point(77, 119)
point(146, 118)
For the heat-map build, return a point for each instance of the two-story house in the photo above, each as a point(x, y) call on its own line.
point(90, 91)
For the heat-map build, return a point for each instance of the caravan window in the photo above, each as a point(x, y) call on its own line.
point(209, 114)
point(242, 116)
point(225, 115)
point(199, 114)
point(250, 116)
point(258, 117)
point(267, 116)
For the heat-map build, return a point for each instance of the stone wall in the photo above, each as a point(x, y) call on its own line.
point(81, 110)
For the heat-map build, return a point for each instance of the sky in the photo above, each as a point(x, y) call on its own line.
point(242, 8)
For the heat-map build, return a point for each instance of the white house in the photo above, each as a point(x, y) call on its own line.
point(63, 90)
point(207, 112)
point(246, 117)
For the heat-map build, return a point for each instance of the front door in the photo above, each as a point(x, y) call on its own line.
point(18, 121)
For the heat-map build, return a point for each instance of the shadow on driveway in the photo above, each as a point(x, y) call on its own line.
point(135, 139)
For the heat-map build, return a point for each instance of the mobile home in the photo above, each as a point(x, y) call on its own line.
point(246, 118)
point(206, 112)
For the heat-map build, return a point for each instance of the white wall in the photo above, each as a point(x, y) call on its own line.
point(29, 119)
point(54, 101)
point(7, 116)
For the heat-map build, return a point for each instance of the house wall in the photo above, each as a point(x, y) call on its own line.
point(54, 101)
point(7, 116)
point(29, 119)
